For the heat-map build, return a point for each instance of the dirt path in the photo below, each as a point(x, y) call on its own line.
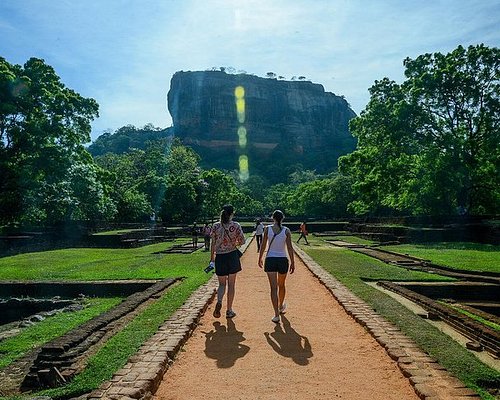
point(317, 352)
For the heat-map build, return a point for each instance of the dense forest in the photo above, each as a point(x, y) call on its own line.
point(428, 145)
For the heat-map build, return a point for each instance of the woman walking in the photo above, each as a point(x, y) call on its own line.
point(227, 235)
point(276, 263)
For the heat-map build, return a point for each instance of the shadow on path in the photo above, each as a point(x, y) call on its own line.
point(287, 342)
point(224, 344)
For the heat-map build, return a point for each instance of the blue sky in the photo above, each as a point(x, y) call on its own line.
point(124, 52)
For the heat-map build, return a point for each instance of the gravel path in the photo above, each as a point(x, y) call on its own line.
point(317, 352)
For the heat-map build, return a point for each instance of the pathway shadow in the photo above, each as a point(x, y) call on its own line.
point(224, 344)
point(287, 342)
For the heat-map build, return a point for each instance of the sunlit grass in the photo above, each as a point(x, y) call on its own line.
point(102, 264)
point(460, 255)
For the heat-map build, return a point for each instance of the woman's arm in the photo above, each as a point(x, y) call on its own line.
point(241, 237)
point(290, 250)
point(212, 245)
point(262, 247)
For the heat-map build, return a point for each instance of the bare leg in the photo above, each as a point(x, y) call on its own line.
point(273, 283)
point(222, 288)
point(281, 289)
point(231, 283)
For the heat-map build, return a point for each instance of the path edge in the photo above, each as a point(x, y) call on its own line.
point(429, 379)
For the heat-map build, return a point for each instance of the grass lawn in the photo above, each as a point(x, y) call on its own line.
point(460, 255)
point(99, 264)
point(102, 264)
point(351, 268)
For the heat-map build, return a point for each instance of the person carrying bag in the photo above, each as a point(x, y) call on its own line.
point(227, 235)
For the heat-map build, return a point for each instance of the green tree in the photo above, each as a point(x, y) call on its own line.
point(180, 201)
point(217, 191)
point(327, 197)
point(431, 144)
point(43, 126)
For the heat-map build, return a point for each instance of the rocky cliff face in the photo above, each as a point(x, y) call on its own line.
point(296, 122)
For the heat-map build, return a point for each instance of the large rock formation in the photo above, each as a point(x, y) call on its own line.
point(286, 122)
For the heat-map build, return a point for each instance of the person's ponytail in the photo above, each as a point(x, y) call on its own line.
point(225, 215)
point(278, 217)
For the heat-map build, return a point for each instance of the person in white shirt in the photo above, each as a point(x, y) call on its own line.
point(276, 262)
point(259, 231)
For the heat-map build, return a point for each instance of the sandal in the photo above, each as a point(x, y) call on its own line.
point(230, 314)
point(218, 306)
point(283, 308)
point(276, 319)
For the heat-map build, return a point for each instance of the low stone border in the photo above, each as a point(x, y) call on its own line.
point(485, 336)
point(54, 364)
point(141, 376)
point(429, 379)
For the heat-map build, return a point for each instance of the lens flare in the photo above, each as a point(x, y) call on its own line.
point(239, 94)
point(244, 174)
point(242, 136)
point(240, 110)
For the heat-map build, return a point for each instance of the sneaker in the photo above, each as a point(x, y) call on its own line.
point(283, 308)
point(276, 319)
point(218, 306)
point(230, 314)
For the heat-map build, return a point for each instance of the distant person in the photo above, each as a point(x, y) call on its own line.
point(152, 219)
point(303, 232)
point(194, 234)
point(206, 232)
point(259, 231)
point(227, 236)
point(276, 262)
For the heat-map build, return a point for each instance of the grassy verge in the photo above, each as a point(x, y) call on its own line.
point(351, 268)
point(16, 347)
point(460, 255)
point(100, 264)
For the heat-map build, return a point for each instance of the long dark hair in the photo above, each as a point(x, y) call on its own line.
point(278, 217)
point(226, 213)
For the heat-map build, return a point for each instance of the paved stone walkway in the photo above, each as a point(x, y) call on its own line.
point(317, 352)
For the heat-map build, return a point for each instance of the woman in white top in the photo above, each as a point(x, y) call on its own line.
point(276, 264)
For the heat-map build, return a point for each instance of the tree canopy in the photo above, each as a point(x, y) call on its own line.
point(47, 174)
point(431, 144)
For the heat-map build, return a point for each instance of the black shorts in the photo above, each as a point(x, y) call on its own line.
point(228, 263)
point(276, 264)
